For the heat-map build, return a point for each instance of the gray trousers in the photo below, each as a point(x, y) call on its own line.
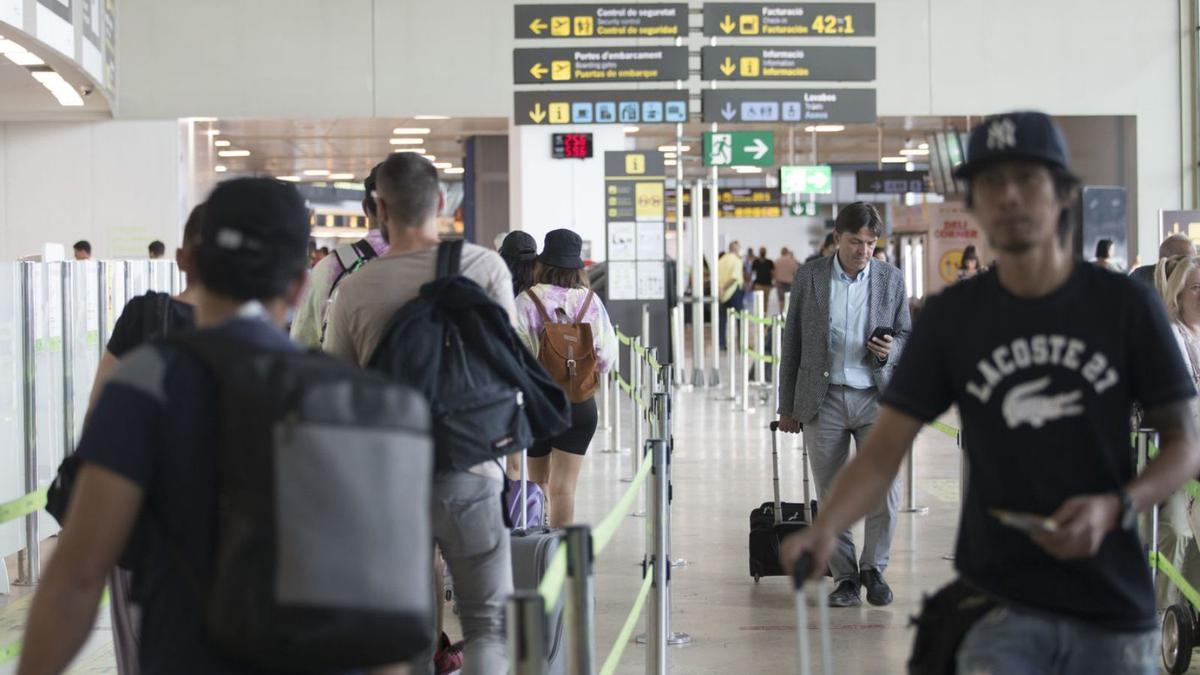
point(468, 525)
point(847, 412)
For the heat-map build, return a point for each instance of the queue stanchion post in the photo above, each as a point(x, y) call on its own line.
point(666, 412)
point(698, 378)
point(580, 602)
point(29, 563)
point(639, 416)
point(744, 347)
point(760, 337)
point(963, 472)
point(634, 372)
point(776, 359)
point(677, 341)
point(526, 630)
point(910, 488)
point(605, 419)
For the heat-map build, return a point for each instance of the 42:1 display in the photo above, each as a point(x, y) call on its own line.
point(830, 24)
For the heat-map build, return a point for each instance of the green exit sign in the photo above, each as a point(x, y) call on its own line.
point(739, 148)
point(814, 180)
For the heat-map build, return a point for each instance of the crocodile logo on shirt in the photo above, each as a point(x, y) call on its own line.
point(1027, 404)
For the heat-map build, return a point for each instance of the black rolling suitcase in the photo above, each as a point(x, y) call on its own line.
point(773, 521)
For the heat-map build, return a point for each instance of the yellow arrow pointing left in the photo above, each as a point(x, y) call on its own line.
point(538, 26)
point(537, 114)
point(538, 71)
point(728, 67)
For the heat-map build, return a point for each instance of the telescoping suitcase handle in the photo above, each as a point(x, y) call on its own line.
point(775, 471)
point(800, 574)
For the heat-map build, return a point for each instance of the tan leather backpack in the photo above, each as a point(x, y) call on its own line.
point(568, 352)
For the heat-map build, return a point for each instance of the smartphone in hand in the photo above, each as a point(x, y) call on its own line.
point(881, 332)
point(1026, 522)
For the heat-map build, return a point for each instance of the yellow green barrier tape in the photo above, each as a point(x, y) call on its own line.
point(760, 356)
point(760, 320)
point(622, 642)
point(624, 385)
point(556, 576)
point(1165, 566)
point(945, 429)
point(22, 506)
point(608, 527)
point(654, 364)
point(640, 350)
point(624, 339)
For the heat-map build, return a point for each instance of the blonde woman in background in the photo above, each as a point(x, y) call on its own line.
point(1178, 282)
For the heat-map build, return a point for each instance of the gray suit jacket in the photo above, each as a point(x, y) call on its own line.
point(807, 359)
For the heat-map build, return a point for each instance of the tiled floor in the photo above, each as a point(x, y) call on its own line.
point(721, 472)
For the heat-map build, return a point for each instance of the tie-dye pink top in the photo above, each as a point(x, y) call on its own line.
point(570, 300)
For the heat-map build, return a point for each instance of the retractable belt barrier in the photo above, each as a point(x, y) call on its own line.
point(567, 580)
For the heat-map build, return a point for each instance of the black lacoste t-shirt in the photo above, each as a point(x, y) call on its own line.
point(1045, 388)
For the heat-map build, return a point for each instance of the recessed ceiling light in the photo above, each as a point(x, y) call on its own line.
point(747, 169)
point(59, 88)
point(894, 160)
point(670, 162)
point(233, 153)
point(455, 170)
point(407, 141)
point(24, 59)
point(826, 128)
point(431, 158)
point(914, 152)
point(419, 151)
point(923, 146)
point(316, 172)
point(220, 168)
point(415, 131)
point(290, 179)
point(341, 176)
point(632, 130)
point(669, 155)
point(674, 148)
point(222, 144)
point(431, 117)
point(444, 165)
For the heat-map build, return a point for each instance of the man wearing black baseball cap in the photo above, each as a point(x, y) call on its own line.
point(1044, 358)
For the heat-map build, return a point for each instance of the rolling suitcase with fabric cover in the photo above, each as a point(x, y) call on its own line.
point(532, 550)
point(775, 520)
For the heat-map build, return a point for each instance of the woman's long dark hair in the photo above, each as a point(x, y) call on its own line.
point(522, 274)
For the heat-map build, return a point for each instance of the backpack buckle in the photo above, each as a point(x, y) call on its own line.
point(571, 367)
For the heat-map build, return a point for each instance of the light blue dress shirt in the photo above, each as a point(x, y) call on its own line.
point(848, 297)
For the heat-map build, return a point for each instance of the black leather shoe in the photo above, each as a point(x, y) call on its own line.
point(845, 595)
point(878, 592)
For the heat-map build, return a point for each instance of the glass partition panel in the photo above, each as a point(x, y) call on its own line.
point(114, 295)
point(48, 372)
point(139, 278)
point(84, 339)
point(12, 410)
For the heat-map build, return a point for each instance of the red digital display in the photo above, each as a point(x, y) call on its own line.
point(572, 146)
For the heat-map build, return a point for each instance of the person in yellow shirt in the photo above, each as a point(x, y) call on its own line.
point(729, 279)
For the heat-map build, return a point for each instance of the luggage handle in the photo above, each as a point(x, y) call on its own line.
point(775, 471)
point(524, 490)
point(800, 574)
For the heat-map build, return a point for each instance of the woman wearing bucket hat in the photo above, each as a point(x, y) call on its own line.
point(519, 251)
point(567, 327)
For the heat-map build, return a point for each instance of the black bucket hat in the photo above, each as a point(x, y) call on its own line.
point(564, 249)
point(520, 246)
point(1016, 135)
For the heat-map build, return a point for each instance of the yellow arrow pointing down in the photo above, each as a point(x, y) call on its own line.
point(728, 67)
point(728, 24)
point(538, 71)
point(537, 26)
point(537, 114)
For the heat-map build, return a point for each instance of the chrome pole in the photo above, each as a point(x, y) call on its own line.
point(777, 358)
point(657, 620)
point(639, 417)
point(715, 282)
point(29, 561)
point(580, 604)
point(526, 622)
point(68, 357)
point(698, 284)
point(731, 321)
point(760, 338)
point(744, 406)
point(615, 444)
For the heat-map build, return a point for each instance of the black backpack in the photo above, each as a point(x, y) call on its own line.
point(324, 474)
point(456, 346)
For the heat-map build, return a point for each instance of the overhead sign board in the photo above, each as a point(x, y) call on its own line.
point(587, 65)
point(635, 219)
point(847, 106)
point(739, 148)
point(816, 180)
point(890, 182)
point(627, 106)
point(614, 20)
point(789, 19)
point(784, 63)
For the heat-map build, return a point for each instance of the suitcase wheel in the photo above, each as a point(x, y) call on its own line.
point(1178, 638)
point(756, 578)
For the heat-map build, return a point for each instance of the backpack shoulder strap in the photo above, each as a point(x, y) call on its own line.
point(365, 250)
point(587, 303)
point(449, 258)
point(540, 307)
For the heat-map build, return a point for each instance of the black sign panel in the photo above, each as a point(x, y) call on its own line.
point(571, 146)
point(789, 19)
point(783, 63)
point(625, 106)
point(757, 202)
point(890, 182)
point(819, 106)
point(615, 20)
point(587, 65)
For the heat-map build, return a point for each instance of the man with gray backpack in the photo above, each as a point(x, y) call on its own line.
point(279, 489)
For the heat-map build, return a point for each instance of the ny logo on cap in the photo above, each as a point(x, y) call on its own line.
point(1002, 134)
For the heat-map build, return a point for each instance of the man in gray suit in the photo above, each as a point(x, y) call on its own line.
point(834, 365)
